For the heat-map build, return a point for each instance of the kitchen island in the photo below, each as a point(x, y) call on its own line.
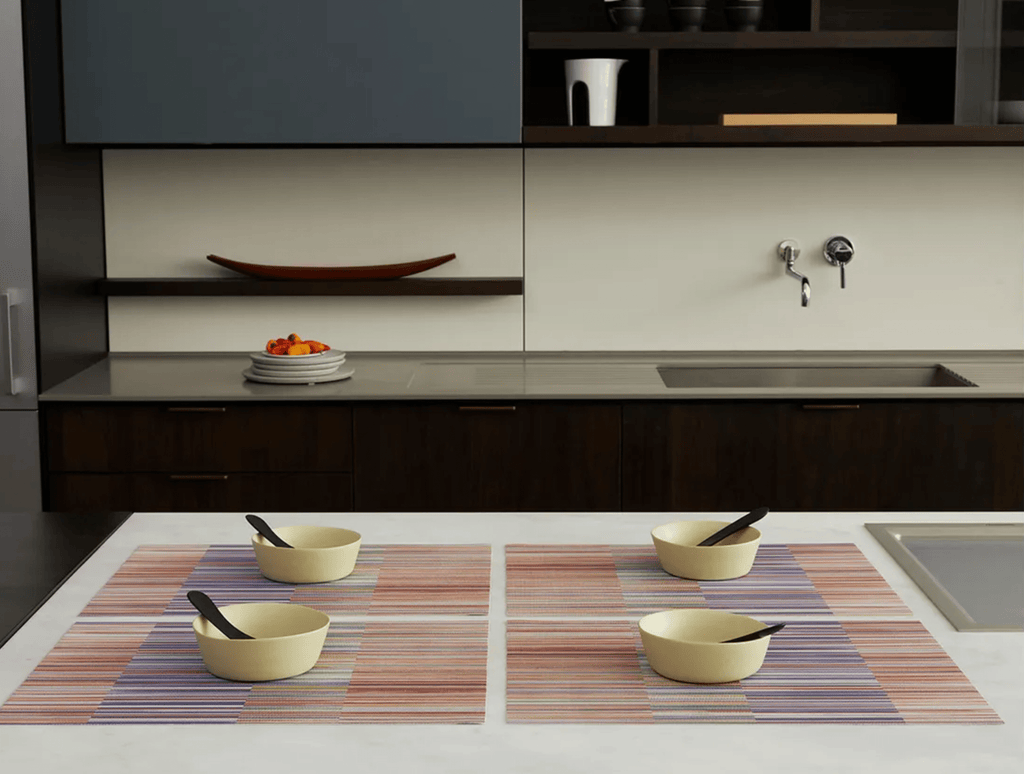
point(992, 662)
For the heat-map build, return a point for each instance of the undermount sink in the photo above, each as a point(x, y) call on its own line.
point(810, 376)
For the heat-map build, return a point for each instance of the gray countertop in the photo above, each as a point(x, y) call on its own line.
point(504, 376)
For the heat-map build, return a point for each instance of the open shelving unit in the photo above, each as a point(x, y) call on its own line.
point(406, 286)
point(808, 56)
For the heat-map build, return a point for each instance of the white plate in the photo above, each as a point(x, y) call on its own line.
point(267, 379)
point(265, 358)
point(329, 368)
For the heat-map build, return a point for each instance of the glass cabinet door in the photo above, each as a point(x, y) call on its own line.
point(990, 62)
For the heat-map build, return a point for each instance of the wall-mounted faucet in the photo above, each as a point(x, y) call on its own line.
point(789, 251)
point(839, 252)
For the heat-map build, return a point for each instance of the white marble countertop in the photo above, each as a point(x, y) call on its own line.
point(993, 662)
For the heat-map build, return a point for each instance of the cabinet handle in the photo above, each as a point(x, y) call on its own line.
point(198, 477)
point(487, 408)
point(6, 302)
point(197, 409)
point(831, 405)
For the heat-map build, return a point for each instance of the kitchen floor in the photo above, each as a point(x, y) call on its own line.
point(38, 552)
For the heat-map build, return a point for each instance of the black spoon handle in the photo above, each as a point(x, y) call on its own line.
point(264, 529)
point(755, 515)
point(758, 634)
point(209, 611)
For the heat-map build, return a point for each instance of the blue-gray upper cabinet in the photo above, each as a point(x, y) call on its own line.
point(292, 71)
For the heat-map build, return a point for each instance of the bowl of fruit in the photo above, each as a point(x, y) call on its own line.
point(294, 360)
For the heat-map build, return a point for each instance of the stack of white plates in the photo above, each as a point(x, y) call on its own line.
point(297, 369)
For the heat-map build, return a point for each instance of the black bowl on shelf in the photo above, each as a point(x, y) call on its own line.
point(687, 15)
point(743, 15)
point(626, 19)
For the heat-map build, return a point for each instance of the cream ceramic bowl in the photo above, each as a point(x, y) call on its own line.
point(320, 554)
point(687, 645)
point(679, 554)
point(288, 641)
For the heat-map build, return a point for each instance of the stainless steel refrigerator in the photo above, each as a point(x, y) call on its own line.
point(20, 478)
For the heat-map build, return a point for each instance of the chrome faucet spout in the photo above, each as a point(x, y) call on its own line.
point(789, 251)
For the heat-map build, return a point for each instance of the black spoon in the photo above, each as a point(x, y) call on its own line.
point(264, 529)
point(745, 521)
point(209, 611)
point(758, 634)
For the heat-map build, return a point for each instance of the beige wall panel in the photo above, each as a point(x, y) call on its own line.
point(167, 209)
point(675, 248)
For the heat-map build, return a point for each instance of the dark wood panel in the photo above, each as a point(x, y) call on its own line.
point(889, 14)
point(587, 15)
point(67, 214)
point(39, 551)
point(729, 136)
point(613, 41)
point(289, 492)
point(697, 86)
point(475, 457)
point(437, 286)
point(699, 456)
point(906, 456)
point(191, 438)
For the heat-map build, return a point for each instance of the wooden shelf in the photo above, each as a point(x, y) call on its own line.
point(704, 135)
point(439, 286)
point(741, 40)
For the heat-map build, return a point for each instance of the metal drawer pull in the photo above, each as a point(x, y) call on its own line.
point(197, 409)
point(197, 477)
point(6, 302)
point(487, 408)
point(831, 405)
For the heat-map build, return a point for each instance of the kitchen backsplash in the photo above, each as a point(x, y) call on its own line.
point(625, 249)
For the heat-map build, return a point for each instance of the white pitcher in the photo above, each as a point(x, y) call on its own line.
point(600, 76)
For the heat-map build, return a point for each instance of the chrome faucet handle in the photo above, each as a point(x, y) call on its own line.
point(839, 252)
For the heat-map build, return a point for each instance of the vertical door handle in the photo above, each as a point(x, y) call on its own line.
point(6, 302)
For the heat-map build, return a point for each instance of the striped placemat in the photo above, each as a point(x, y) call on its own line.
point(612, 580)
point(391, 579)
point(373, 672)
point(854, 672)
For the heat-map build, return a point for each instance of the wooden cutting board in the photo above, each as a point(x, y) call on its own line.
point(808, 119)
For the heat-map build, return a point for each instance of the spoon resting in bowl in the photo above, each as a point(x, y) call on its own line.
point(209, 611)
point(744, 521)
point(758, 634)
point(264, 529)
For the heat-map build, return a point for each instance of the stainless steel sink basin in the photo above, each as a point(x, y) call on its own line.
point(811, 376)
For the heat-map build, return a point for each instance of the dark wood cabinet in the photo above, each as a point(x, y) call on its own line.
point(806, 57)
point(510, 457)
point(715, 456)
point(184, 493)
point(267, 72)
point(189, 438)
point(698, 457)
point(188, 457)
point(824, 456)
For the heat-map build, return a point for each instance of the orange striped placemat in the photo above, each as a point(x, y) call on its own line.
point(389, 579)
point(797, 579)
point(374, 672)
point(853, 672)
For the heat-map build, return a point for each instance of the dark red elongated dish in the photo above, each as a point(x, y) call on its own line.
point(384, 271)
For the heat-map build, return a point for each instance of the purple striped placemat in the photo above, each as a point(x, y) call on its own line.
point(854, 672)
point(611, 580)
point(392, 579)
point(152, 673)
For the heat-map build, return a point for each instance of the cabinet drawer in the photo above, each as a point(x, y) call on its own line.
point(162, 492)
point(189, 438)
point(509, 457)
